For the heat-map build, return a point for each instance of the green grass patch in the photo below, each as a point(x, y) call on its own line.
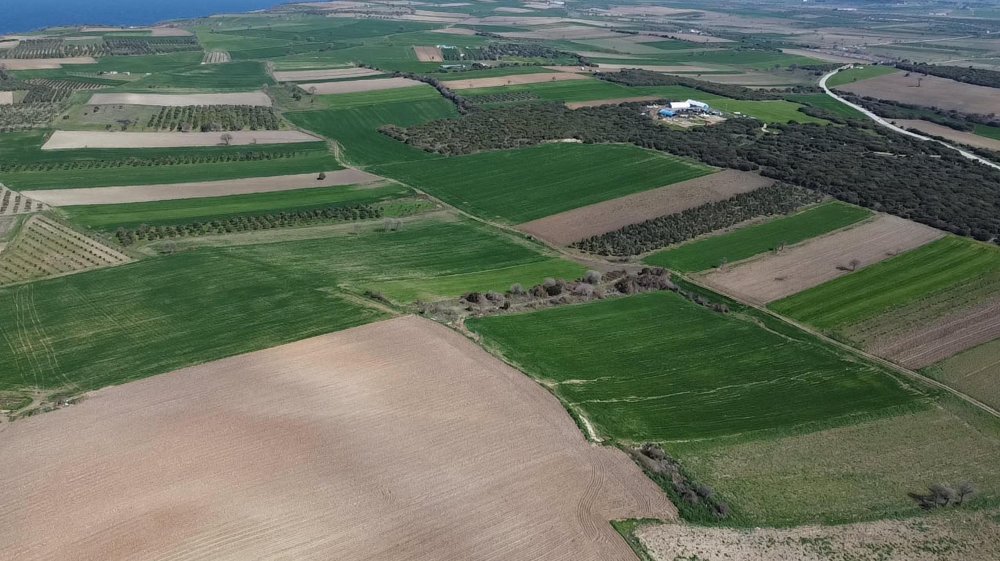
point(746, 242)
point(182, 211)
point(857, 74)
point(522, 185)
point(658, 367)
point(897, 282)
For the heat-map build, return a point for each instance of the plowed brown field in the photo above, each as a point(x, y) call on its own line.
point(399, 440)
point(567, 227)
point(820, 259)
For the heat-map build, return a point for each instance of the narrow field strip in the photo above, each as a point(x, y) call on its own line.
point(65, 140)
point(193, 190)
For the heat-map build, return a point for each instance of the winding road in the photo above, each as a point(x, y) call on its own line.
point(888, 125)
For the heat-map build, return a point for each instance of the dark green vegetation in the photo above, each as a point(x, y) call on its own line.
point(675, 228)
point(215, 118)
point(109, 217)
point(639, 369)
point(104, 327)
point(942, 265)
point(752, 240)
point(522, 185)
point(856, 163)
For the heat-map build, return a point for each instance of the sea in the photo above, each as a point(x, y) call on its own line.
point(18, 16)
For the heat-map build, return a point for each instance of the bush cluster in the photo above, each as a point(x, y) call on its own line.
point(206, 118)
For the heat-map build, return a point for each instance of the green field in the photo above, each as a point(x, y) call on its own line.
point(657, 367)
point(356, 129)
point(903, 280)
point(182, 211)
point(974, 372)
point(522, 185)
point(857, 74)
point(752, 240)
point(92, 329)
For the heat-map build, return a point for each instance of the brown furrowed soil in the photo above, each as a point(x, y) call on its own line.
point(328, 74)
point(62, 140)
point(514, 80)
point(956, 536)
point(45, 63)
point(199, 189)
point(396, 440)
point(355, 86)
point(428, 54)
point(818, 260)
point(932, 92)
point(573, 225)
point(949, 133)
point(257, 98)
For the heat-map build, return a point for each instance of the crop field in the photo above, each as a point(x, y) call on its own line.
point(932, 92)
point(530, 183)
point(801, 267)
point(109, 217)
point(858, 74)
point(64, 140)
point(657, 367)
point(353, 437)
point(974, 372)
point(43, 248)
point(594, 220)
point(749, 241)
point(105, 327)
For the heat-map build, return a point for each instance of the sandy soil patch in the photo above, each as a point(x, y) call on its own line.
point(955, 537)
point(396, 440)
point(598, 103)
point(514, 79)
point(932, 92)
point(455, 31)
point(181, 100)
point(654, 67)
point(565, 32)
point(593, 220)
point(428, 54)
point(949, 133)
point(62, 140)
point(45, 63)
point(327, 74)
point(216, 57)
point(942, 338)
point(821, 259)
point(355, 86)
point(198, 189)
point(6, 98)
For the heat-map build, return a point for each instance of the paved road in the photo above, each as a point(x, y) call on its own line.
point(888, 125)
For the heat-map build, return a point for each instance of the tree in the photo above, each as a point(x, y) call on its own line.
point(226, 138)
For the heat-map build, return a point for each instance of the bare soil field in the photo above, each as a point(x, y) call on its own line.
point(949, 133)
point(6, 98)
point(328, 74)
point(194, 190)
point(355, 86)
point(216, 57)
point(62, 140)
point(257, 98)
point(515, 79)
point(932, 92)
point(598, 103)
point(567, 227)
point(397, 440)
point(45, 63)
point(960, 536)
point(821, 259)
point(45, 248)
point(947, 336)
point(428, 54)
point(12, 202)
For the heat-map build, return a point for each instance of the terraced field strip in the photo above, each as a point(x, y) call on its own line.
point(44, 248)
point(257, 98)
point(593, 220)
point(395, 423)
point(746, 242)
point(932, 92)
point(530, 183)
point(356, 86)
point(66, 140)
point(819, 260)
point(170, 191)
point(513, 80)
point(12, 202)
point(328, 74)
point(658, 367)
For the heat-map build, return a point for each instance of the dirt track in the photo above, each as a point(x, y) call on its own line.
point(257, 98)
point(514, 80)
point(199, 189)
point(328, 74)
point(819, 260)
point(399, 440)
point(62, 140)
point(567, 227)
point(932, 92)
point(355, 86)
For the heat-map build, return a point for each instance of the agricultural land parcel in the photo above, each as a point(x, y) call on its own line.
point(530, 183)
point(350, 435)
